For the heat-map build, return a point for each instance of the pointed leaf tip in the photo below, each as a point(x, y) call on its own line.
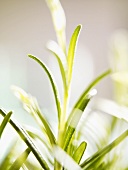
point(71, 51)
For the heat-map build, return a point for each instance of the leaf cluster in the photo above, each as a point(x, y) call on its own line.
point(66, 149)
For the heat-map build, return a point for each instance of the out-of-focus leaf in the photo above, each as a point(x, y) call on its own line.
point(31, 106)
point(54, 87)
point(59, 21)
point(20, 160)
point(77, 156)
point(26, 138)
point(116, 110)
point(7, 159)
point(91, 161)
point(71, 51)
point(118, 60)
point(63, 158)
point(4, 123)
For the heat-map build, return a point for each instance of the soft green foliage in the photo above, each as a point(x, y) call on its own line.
point(66, 150)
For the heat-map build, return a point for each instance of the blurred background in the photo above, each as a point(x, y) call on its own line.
point(25, 28)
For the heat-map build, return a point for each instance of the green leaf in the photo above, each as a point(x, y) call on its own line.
point(54, 87)
point(85, 92)
point(77, 156)
point(71, 51)
point(76, 115)
point(91, 85)
point(90, 162)
point(20, 160)
point(59, 21)
point(31, 106)
point(26, 138)
point(4, 123)
point(62, 61)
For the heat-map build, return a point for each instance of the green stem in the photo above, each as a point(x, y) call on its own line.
point(62, 126)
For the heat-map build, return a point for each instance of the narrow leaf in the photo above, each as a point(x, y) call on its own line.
point(71, 51)
point(54, 87)
point(20, 160)
point(4, 123)
point(85, 92)
point(82, 104)
point(26, 138)
point(77, 156)
point(89, 163)
point(61, 58)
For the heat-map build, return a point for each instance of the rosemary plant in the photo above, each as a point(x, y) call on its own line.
point(64, 150)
